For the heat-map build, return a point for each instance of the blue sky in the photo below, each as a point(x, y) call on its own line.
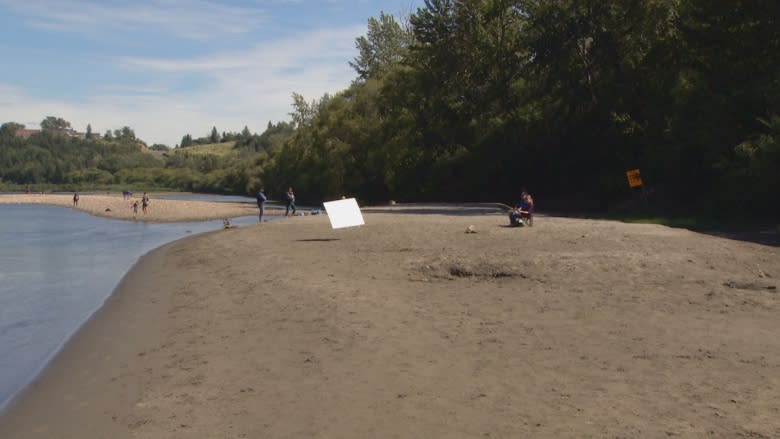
point(170, 67)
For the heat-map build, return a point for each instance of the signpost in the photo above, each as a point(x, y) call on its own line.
point(634, 178)
point(635, 181)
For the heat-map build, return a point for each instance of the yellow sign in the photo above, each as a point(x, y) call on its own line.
point(634, 179)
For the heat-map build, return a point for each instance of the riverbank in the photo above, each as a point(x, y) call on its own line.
point(117, 207)
point(409, 327)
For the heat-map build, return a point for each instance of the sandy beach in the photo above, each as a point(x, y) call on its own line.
point(408, 327)
point(116, 207)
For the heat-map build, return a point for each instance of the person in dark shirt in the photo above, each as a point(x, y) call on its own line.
point(523, 211)
point(290, 196)
point(261, 199)
point(145, 203)
point(514, 214)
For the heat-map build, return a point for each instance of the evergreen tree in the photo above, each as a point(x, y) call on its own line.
point(186, 141)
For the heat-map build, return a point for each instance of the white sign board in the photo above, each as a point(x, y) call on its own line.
point(344, 213)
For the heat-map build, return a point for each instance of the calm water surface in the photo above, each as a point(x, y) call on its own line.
point(206, 197)
point(57, 267)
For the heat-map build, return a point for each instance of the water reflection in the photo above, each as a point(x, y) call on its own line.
point(57, 267)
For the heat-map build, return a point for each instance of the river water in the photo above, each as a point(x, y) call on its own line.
point(57, 267)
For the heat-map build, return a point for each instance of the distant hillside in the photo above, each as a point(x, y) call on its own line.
point(218, 149)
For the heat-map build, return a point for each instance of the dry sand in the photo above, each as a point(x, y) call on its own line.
point(115, 206)
point(408, 327)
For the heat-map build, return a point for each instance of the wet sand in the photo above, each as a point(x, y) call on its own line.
point(408, 327)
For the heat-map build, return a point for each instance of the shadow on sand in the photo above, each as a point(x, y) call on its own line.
point(759, 235)
point(459, 209)
point(758, 232)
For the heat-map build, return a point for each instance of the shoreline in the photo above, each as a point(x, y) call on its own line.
point(160, 210)
point(89, 354)
point(68, 332)
point(410, 327)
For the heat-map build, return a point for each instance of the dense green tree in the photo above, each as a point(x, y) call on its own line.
point(52, 123)
point(125, 133)
point(8, 130)
point(478, 100)
point(384, 46)
point(52, 158)
point(558, 96)
point(303, 112)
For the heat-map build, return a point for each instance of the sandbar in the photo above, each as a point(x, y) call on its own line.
point(160, 210)
point(409, 327)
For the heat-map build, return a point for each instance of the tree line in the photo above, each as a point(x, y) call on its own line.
point(479, 100)
point(55, 156)
point(58, 158)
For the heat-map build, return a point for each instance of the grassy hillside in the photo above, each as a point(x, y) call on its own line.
point(218, 149)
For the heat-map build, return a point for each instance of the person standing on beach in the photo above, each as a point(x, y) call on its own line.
point(261, 199)
point(290, 202)
point(145, 202)
point(75, 199)
point(135, 209)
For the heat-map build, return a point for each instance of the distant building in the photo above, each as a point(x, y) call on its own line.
point(26, 133)
point(76, 134)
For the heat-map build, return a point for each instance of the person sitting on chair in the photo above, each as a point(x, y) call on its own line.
point(515, 213)
point(527, 211)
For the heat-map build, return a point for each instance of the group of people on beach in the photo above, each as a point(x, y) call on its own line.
point(521, 214)
point(144, 205)
point(125, 195)
point(289, 197)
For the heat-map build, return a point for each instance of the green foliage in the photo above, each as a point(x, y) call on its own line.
point(8, 131)
point(384, 46)
point(124, 134)
point(272, 139)
point(559, 97)
point(218, 149)
point(52, 123)
point(186, 141)
point(53, 158)
point(478, 100)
